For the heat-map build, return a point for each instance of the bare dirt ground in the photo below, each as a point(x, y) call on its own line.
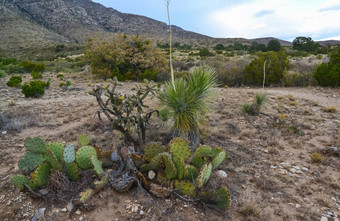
point(271, 175)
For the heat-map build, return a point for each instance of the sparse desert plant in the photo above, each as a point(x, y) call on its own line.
point(2, 73)
point(316, 157)
point(31, 66)
point(14, 81)
point(329, 74)
point(68, 83)
point(254, 108)
point(60, 76)
point(330, 109)
point(35, 75)
point(190, 101)
point(250, 204)
point(35, 88)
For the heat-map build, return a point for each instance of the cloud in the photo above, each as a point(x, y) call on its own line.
point(331, 8)
point(263, 12)
point(284, 19)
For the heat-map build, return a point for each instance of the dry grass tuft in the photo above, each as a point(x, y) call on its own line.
point(250, 204)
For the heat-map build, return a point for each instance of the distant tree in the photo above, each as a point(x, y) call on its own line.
point(257, 47)
point(276, 64)
point(204, 52)
point(329, 74)
point(273, 45)
point(238, 46)
point(219, 47)
point(177, 45)
point(305, 44)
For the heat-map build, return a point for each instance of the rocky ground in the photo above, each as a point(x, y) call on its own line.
point(270, 172)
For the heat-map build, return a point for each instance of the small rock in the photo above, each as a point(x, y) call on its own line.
point(69, 207)
point(141, 212)
point(43, 191)
point(324, 218)
point(151, 175)
point(2, 197)
point(293, 170)
point(78, 212)
point(273, 167)
point(81, 218)
point(266, 151)
point(283, 171)
point(4, 132)
point(305, 168)
point(298, 171)
point(221, 174)
point(185, 205)
point(297, 206)
point(297, 167)
point(134, 209)
point(64, 210)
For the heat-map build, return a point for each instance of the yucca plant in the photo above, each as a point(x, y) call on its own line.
point(254, 108)
point(189, 101)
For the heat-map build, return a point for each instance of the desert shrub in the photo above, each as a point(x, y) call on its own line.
point(294, 79)
point(36, 75)
point(126, 57)
point(276, 64)
point(316, 157)
point(2, 73)
point(62, 84)
point(149, 74)
point(305, 44)
point(35, 88)
point(189, 101)
point(60, 76)
point(14, 81)
point(329, 74)
point(30, 66)
point(219, 47)
point(204, 52)
point(273, 45)
point(68, 83)
point(13, 68)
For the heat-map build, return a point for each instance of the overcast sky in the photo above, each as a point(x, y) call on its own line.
point(284, 19)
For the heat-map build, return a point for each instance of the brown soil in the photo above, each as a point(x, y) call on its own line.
point(271, 175)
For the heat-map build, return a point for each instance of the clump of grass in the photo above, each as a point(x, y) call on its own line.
point(316, 157)
point(250, 204)
point(330, 109)
point(254, 108)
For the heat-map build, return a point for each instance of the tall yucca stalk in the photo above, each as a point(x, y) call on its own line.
point(167, 3)
point(190, 101)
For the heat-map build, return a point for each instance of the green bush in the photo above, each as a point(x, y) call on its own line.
point(60, 76)
point(204, 52)
point(329, 74)
point(276, 65)
point(30, 66)
point(2, 73)
point(254, 108)
point(13, 69)
point(149, 74)
point(36, 75)
point(68, 83)
point(35, 88)
point(14, 81)
point(294, 79)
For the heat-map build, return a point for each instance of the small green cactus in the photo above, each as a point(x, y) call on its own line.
point(19, 181)
point(223, 198)
point(203, 175)
point(218, 159)
point(180, 166)
point(52, 160)
point(69, 153)
point(97, 165)
point(152, 150)
point(71, 170)
point(41, 175)
point(83, 157)
point(198, 161)
point(153, 165)
point(83, 140)
point(190, 172)
point(57, 149)
point(170, 169)
point(35, 145)
point(203, 151)
point(30, 161)
point(179, 147)
point(185, 188)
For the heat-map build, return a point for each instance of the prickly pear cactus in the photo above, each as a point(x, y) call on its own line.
point(152, 150)
point(198, 161)
point(57, 149)
point(83, 157)
point(35, 145)
point(69, 153)
point(153, 165)
point(170, 169)
point(179, 147)
point(190, 172)
point(185, 188)
point(203, 175)
point(71, 170)
point(97, 165)
point(19, 181)
point(180, 166)
point(41, 175)
point(83, 140)
point(30, 161)
point(203, 151)
point(52, 160)
point(223, 198)
point(220, 157)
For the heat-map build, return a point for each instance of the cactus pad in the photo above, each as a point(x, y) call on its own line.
point(185, 188)
point(223, 198)
point(83, 157)
point(30, 161)
point(57, 149)
point(152, 150)
point(180, 166)
point(179, 147)
point(52, 160)
point(41, 174)
point(72, 171)
point(35, 145)
point(198, 161)
point(69, 153)
point(218, 159)
point(203, 150)
point(203, 175)
point(170, 169)
point(216, 151)
point(190, 172)
point(19, 181)
point(97, 165)
point(83, 140)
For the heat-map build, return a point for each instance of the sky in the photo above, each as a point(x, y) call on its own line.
point(283, 19)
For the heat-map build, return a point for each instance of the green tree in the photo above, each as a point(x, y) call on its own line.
point(273, 45)
point(219, 47)
point(238, 46)
point(126, 57)
point(204, 52)
point(305, 44)
point(329, 74)
point(276, 64)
